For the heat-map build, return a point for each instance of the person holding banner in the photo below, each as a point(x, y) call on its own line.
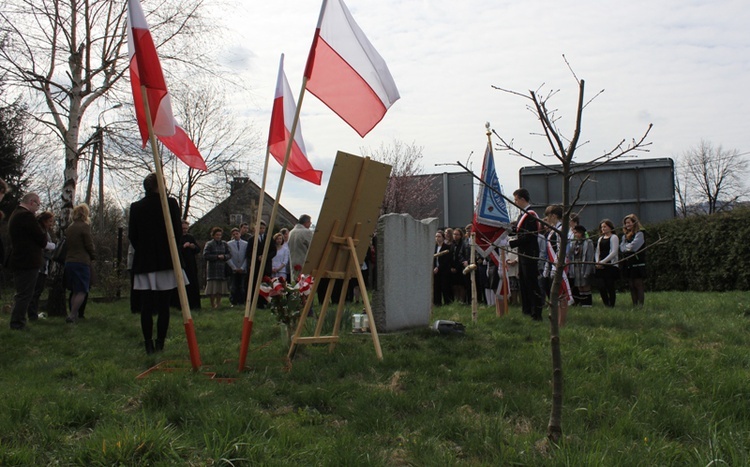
point(153, 274)
point(527, 233)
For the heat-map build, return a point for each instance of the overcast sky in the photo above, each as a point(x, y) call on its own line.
point(681, 65)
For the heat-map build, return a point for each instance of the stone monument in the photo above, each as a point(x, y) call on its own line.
point(405, 246)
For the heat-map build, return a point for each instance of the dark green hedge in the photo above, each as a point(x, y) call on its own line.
point(701, 253)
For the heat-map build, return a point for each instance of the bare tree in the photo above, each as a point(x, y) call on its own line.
point(227, 144)
point(408, 189)
point(682, 191)
point(69, 54)
point(710, 179)
point(563, 150)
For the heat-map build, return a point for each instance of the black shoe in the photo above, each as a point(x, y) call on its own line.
point(70, 320)
point(149, 347)
point(159, 345)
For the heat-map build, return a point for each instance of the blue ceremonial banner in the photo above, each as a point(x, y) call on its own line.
point(491, 214)
point(491, 209)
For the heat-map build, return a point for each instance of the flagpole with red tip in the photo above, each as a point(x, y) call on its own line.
point(187, 319)
point(250, 312)
point(272, 219)
point(250, 303)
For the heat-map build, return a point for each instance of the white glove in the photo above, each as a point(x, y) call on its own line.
point(502, 242)
point(50, 246)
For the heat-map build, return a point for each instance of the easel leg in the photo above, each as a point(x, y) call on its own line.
point(339, 313)
point(324, 307)
point(365, 300)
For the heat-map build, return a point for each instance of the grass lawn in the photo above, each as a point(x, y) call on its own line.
point(665, 385)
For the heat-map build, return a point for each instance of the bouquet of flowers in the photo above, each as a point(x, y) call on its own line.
point(286, 299)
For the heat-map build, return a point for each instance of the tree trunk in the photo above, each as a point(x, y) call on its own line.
point(554, 427)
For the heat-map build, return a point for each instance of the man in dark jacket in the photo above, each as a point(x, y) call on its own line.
point(27, 241)
point(262, 265)
point(526, 231)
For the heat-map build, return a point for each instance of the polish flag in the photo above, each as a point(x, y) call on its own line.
point(284, 109)
point(145, 70)
point(346, 72)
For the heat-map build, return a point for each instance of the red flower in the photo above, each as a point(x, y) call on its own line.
point(297, 267)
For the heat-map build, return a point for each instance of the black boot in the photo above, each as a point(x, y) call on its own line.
point(149, 347)
point(159, 345)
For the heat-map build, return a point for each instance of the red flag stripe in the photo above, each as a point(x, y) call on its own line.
point(282, 119)
point(146, 71)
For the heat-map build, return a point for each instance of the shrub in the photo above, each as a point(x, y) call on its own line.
point(701, 253)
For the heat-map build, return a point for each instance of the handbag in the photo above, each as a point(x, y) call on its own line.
point(61, 250)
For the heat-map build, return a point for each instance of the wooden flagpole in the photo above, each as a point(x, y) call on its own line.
point(187, 319)
point(506, 280)
point(474, 304)
point(274, 210)
point(247, 322)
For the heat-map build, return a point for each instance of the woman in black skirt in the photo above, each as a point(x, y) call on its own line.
point(634, 268)
point(607, 271)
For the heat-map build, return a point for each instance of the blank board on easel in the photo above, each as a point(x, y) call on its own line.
point(349, 204)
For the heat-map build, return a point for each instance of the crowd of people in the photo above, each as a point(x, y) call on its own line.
point(33, 252)
point(228, 262)
point(521, 267)
point(524, 263)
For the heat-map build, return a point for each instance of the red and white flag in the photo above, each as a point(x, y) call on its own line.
point(346, 72)
point(145, 70)
point(284, 109)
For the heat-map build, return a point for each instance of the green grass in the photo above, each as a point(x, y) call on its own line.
point(665, 385)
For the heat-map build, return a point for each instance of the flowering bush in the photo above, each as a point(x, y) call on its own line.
point(286, 299)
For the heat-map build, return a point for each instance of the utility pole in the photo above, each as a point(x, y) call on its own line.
point(95, 140)
point(101, 178)
point(98, 149)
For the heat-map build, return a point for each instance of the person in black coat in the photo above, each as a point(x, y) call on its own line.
point(527, 243)
point(153, 274)
point(27, 240)
point(441, 272)
point(458, 262)
point(262, 265)
point(189, 249)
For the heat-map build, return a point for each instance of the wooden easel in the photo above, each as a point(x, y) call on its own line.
point(334, 254)
point(337, 247)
